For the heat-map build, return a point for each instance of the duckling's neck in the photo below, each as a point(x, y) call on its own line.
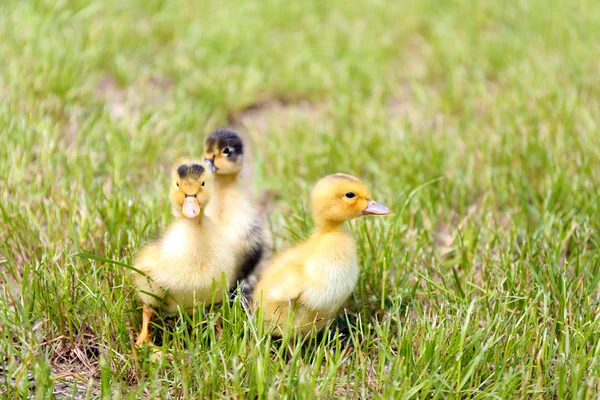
point(325, 226)
point(227, 197)
point(226, 181)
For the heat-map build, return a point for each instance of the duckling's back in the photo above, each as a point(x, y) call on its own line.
point(235, 214)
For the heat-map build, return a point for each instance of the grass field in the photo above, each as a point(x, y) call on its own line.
point(475, 121)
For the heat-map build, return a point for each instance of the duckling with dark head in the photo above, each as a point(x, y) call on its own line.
point(232, 205)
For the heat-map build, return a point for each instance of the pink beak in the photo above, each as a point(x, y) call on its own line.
point(191, 207)
point(374, 208)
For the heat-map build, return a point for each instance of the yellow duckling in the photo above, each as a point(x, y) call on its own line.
point(304, 287)
point(231, 207)
point(187, 263)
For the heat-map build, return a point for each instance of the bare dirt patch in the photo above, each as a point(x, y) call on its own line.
point(75, 365)
point(150, 91)
point(257, 117)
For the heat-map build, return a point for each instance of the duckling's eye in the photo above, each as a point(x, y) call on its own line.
point(177, 184)
point(350, 195)
point(226, 150)
point(202, 183)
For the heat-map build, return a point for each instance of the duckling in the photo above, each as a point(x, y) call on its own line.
point(231, 207)
point(304, 287)
point(187, 264)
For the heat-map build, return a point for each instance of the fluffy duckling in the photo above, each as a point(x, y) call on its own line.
point(304, 287)
point(186, 265)
point(231, 207)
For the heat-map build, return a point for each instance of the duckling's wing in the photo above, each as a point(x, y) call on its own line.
point(285, 289)
point(281, 286)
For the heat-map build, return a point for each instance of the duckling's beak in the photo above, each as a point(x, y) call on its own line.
point(191, 207)
point(374, 208)
point(210, 163)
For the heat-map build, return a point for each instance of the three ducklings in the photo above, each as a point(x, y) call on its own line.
point(216, 240)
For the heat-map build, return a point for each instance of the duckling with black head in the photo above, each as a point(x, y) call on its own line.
point(303, 287)
point(232, 205)
point(187, 264)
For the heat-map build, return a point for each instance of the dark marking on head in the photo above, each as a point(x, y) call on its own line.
point(222, 138)
point(182, 171)
point(345, 177)
point(193, 170)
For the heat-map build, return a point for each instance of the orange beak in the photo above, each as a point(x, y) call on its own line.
point(374, 208)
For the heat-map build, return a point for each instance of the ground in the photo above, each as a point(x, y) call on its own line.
point(476, 122)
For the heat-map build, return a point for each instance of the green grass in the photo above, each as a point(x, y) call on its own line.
point(475, 121)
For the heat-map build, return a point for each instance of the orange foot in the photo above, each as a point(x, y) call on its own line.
point(144, 336)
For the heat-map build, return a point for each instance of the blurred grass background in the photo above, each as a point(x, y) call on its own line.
point(475, 121)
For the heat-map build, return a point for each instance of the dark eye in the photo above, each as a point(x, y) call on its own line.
point(226, 150)
point(177, 184)
point(202, 183)
point(350, 195)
